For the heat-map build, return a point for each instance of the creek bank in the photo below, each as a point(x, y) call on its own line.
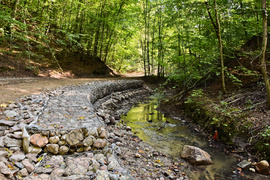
point(239, 117)
point(124, 157)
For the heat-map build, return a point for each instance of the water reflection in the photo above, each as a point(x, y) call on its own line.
point(170, 135)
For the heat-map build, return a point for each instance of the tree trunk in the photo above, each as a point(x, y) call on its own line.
point(262, 59)
point(221, 49)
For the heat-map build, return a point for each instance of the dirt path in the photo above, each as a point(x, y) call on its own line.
point(13, 88)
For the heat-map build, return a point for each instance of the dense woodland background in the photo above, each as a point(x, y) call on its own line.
point(189, 41)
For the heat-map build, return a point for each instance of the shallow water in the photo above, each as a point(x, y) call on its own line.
point(169, 135)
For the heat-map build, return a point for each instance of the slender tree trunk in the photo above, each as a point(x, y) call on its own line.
point(262, 59)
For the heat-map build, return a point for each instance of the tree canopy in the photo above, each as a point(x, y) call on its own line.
point(184, 39)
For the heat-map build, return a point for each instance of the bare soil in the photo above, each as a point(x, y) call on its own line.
point(13, 88)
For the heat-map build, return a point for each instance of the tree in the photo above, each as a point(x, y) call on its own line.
point(262, 58)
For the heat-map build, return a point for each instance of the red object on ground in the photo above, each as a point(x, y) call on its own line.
point(216, 136)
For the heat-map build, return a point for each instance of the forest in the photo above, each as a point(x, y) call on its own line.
point(192, 43)
point(186, 39)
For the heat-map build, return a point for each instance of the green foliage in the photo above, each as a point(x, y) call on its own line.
point(214, 116)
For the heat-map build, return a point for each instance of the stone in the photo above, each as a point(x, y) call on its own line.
point(10, 142)
point(11, 113)
point(3, 153)
point(128, 128)
point(75, 169)
point(114, 177)
point(88, 141)
point(95, 165)
point(102, 132)
point(30, 168)
point(4, 169)
point(38, 177)
point(100, 143)
point(2, 177)
point(137, 155)
point(35, 150)
point(2, 144)
point(196, 156)
point(55, 161)
point(39, 140)
point(53, 148)
point(32, 157)
point(7, 123)
point(103, 175)
point(54, 140)
point(23, 172)
point(57, 172)
point(17, 157)
point(19, 165)
point(63, 150)
point(62, 143)
point(41, 170)
point(74, 137)
point(262, 167)
point(113, 163)
point(91, 131)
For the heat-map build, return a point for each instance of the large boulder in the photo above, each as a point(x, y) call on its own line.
point(196, 156)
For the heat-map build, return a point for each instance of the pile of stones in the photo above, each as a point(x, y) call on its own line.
point(60, 135)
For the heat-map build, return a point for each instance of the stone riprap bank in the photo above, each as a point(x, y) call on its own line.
point(69, 122)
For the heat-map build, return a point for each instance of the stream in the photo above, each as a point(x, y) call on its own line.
point(169, 135)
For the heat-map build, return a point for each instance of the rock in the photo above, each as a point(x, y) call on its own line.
point(114, 176)
point(102, 132)
point(2, 144)
point(252, 170)
point(128, 128)
point(17, 157)
point(2, 177)
point(54, 140)
point(53, 148)
point(100, 143)
point(74, 137)
point(55, 161)
point(10, 142)
point(57, 172)
point(23, 172)
point(30, 168)
point(7, 123)
point(62, 143)
point(19, 165)
point(89, 140)
point(262, 167)
point(3, 153)
point(63, 150)
point(4, 169)
point(39, 140)
point(32, 157)
point(137, 155)
point(75, 169)
point(113, 163)
point(103, 175)
point(196, 156)
point(11, 113)
point(91, 131)
point(41, 170)
point(38, 177)
point(95, 165)
point(35, 150)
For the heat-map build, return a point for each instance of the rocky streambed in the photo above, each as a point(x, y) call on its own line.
point(70, 133)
